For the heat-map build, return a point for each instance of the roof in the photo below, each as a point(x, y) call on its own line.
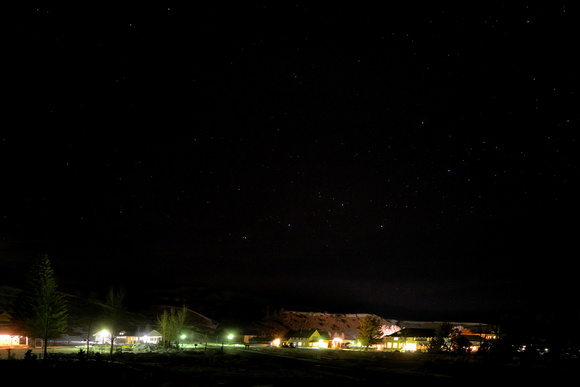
point(474, 338)
point(5, 316)
point(7, 327)
point(414, 332)
point(304, 333)
point(308, 333)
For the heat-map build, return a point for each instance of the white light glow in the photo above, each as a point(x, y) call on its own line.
point(102, 335)
point(410, 347)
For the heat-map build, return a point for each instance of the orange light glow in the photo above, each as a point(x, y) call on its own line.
point(7, 340)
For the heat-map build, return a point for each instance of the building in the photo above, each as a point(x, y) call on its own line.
point(9, 337)
point(409, 340)
point(341, 326)
point(257, 341)
point(308, 338)
point(477, 337)
point(104, 337)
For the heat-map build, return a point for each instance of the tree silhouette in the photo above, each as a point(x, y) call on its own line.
point(170, 324)
point(369, 330)
point(440, 342)
point(41, 309)
point(116, 312)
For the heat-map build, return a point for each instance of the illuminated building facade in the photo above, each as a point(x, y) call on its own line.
point(9, 336)
point(104, 337)
point(409, 340)
point(308, 338)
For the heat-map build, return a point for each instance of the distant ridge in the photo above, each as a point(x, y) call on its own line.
point(342, 325)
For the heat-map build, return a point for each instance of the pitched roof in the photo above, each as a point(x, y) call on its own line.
point(414, 332)
point(304, 333)
point(7, 326)
point(476, 339)
point(308, 333)
point(324, 335)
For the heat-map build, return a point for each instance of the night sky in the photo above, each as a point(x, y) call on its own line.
point(356, 158)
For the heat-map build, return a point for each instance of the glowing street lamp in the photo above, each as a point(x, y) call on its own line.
point(230, 337)
point(102, 336)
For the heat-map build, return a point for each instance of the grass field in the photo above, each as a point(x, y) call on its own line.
point(274, 367)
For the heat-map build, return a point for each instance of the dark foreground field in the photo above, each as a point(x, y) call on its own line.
point(275, 367)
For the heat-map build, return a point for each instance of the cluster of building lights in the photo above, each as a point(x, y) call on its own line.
point(336, 343)
point(8, 340)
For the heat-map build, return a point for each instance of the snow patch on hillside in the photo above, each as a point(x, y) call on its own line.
point(343, 325)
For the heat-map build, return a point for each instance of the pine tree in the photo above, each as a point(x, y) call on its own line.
point(439, 342)
point(369, 330)
point(42, 310)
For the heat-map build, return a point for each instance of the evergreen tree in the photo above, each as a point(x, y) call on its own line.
point(440, 342)
point(42, 310)
point(458, 343)
point(369, 330)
